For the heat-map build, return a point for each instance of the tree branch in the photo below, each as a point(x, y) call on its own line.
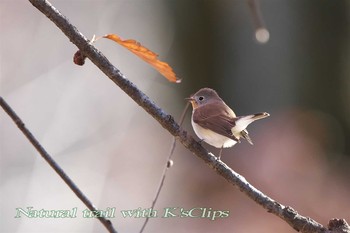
point(166, 168)
point(298, 222)
point(262, 35)
point(107, 223)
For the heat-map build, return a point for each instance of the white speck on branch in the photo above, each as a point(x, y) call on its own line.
point(262, 35)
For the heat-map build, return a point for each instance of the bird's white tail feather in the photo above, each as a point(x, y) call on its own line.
point(244, 121)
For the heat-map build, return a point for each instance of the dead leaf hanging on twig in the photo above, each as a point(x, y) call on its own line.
point(146, 55)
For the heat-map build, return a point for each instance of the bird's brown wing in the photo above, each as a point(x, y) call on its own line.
point(216, 118)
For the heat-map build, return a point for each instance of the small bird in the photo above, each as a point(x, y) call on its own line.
point(215, 123)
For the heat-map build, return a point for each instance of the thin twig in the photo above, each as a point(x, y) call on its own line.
point(167, 166)
point(262, 35)
point(295, 220)
point(107, 223)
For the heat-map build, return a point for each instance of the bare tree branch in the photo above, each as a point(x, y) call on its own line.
point(167, 166)
point(338, 226)
point(297, 221)
point(262, 35)
point(107, 223)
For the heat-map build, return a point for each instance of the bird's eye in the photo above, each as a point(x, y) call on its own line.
point(201, 98)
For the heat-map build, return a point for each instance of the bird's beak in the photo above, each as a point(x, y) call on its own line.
point(190, 99)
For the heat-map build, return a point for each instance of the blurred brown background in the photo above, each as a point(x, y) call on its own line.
point(115, 152)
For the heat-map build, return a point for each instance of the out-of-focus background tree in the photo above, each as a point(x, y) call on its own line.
point(116, 153)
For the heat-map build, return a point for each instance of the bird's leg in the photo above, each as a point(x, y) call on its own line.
point(220, 152)
point(200, 141)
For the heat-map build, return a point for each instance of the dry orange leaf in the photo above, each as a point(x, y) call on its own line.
point(146, 55)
